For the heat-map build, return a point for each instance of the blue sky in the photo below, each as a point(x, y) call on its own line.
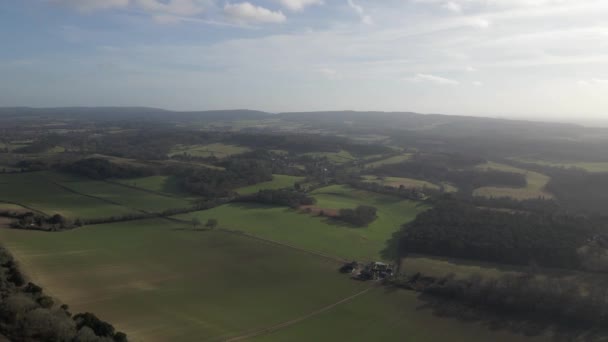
point(514, 58)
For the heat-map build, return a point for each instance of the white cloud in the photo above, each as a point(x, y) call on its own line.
point(246, 13)
point(329, 73)
point(171, 7)
point(298, 5)
point(433, 79)
point(365, 18)
point(478, 83)
point(593, 82)
point(452, 7)
point(480, 23)
point(92, 5)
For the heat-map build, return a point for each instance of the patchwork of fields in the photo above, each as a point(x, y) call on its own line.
point(277, 182)
point(408, 183)
point(162, 280)
point(211, 150)
point(320, 234)
point(535, 188)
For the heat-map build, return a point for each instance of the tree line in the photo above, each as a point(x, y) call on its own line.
point(28, 314)
point(461, 230)
point(525, 296)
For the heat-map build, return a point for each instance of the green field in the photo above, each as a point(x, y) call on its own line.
point(388, 161)
point(588, 166)
point(161, 184)
point(159, 283)
point(277, 182)
point(388, 315)
point(320, 234)
point(35, 191)
point(396, 182)
point(126, 196)
point(535, 188)
point(211, 150)
point(334, 157)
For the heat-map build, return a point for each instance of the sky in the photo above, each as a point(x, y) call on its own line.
point(534, 59)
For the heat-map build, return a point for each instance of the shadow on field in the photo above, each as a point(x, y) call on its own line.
point(526, 326)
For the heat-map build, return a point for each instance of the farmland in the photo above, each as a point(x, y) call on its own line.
point(316, 233)
point(161, 283)
point(277, 182)
point(585, 165)
point(535, 188)
point(385, 315)
point(34, 191)
point(408, 183)
point(126, 196)
point(392, 160)
point(161, 184)
point(340, 157)
point(211, 150)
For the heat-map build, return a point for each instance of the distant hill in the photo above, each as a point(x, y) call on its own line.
point(129, 113)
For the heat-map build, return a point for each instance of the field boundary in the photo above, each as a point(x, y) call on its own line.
point(26, 207)
point(142, 189)
point(297, 320)
point(274, 242)
point(66, 188)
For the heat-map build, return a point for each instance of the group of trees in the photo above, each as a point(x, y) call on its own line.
point(528, 296)
point(465, 179)
point(56, 222)
point(457, 229)
point(27, 314)
point(211, 183)
point(99, 168)
point(361, 216)
point(282, 197)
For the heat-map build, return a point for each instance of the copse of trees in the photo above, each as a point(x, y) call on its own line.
point(283, 197)
point(361, 216)
point(99, 168)
point(524, 296)
point(461, 230)
point(465, 179)
point(40, 222)
point(212, 183)
point(27, 314)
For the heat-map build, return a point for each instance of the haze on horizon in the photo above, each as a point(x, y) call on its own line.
point(525, 59)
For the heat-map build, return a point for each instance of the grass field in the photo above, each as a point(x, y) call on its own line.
point(35, 191)
point(277, 182)
point(396, 182)
point(126, 196)
point(204, 151)
point(318, 233)
point(159, 283)
point(588, 166)
point(161, 184)
point(389, 315)
point(535, 188)
point(11, 207)
point(334, 157)
point(391, 160)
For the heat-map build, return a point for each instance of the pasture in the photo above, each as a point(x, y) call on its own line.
point(585, 165)
point(160, 281)
point(340, 157)
point(34, 190)
point(389, 315)
point(396, 182)
point(217, 150)
point(535, 188)
point(277, 182)
point(320, 234)
point(128, 197)
point(392, 160)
